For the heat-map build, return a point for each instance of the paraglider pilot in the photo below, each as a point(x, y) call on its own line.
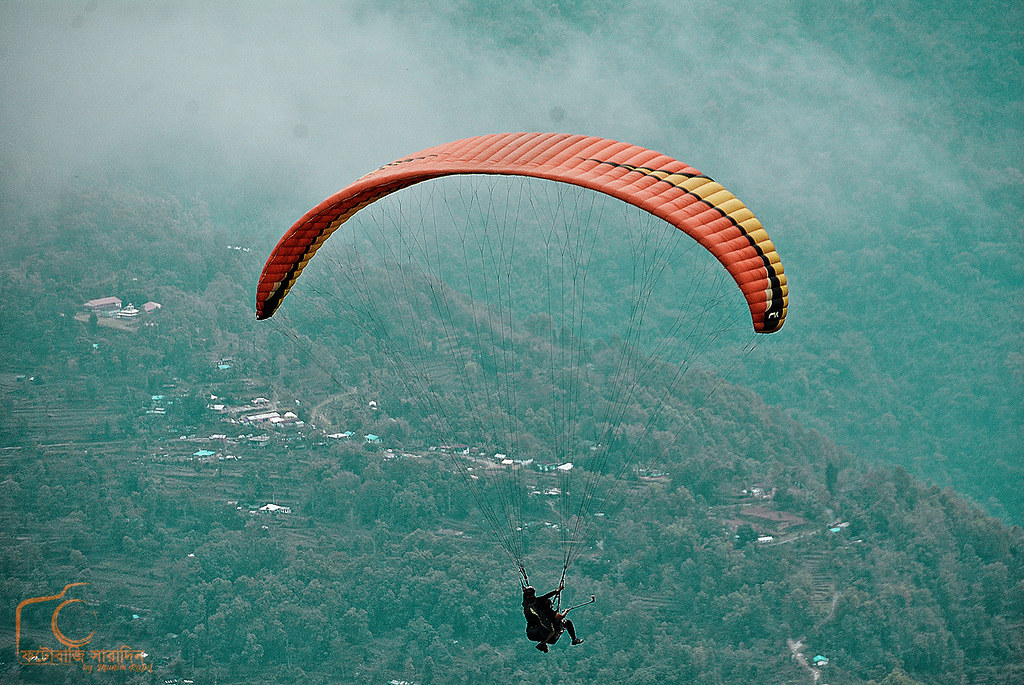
point(544, 625)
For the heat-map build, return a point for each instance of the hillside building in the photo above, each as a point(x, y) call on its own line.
point(104, 304)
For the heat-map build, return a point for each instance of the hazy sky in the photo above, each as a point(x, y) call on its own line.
point(331, 89)
point(318, 93)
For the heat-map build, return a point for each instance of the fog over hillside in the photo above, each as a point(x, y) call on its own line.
point(880, 146)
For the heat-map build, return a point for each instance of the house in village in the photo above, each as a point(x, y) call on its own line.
point(103, 304)
point(262, 417)
point(273, 418)
point(759, 491)
point(203, 455)
point(129, 312)
point(289, 418)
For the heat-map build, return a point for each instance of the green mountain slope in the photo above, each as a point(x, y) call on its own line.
point(382, 568)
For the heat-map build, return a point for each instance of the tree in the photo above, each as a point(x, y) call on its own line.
point(745, 534)
point(831, 475)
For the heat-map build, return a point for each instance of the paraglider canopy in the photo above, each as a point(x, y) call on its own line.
point(663, 186)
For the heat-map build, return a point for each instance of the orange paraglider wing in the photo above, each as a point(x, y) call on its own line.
point(665, 187)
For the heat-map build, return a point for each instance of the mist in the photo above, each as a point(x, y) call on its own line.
point(887, 169)
point(311, 89)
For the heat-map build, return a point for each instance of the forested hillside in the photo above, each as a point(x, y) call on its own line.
point(133, 463)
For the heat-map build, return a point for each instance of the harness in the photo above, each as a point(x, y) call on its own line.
point(553, 629)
